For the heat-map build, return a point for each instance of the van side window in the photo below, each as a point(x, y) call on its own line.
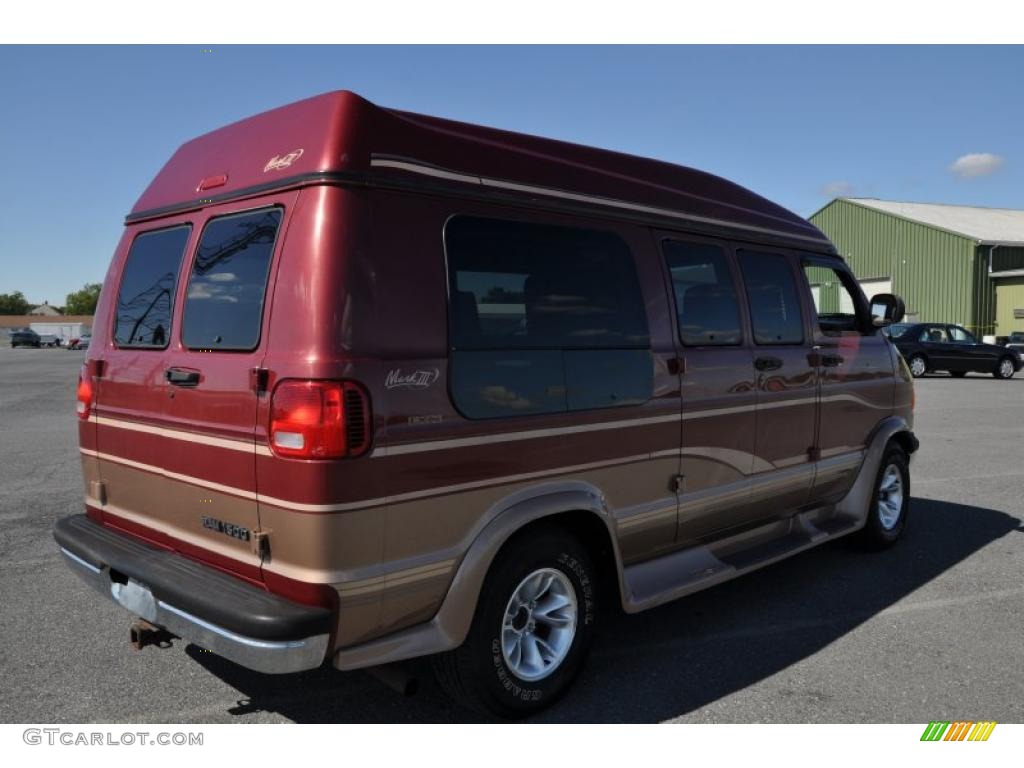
point(834, 301)
point(224, 302)
point(145, 298)
point(543, 319)
point(707, 309)
point(773, 298)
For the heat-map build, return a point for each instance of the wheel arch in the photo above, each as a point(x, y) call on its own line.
point(576, 506)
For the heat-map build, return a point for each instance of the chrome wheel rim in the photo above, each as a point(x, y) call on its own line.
point(1006, 369)
point(539, 624)
point(890, 497)
point(917, 366)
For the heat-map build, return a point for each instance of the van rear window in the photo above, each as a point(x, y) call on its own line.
point(145, 298)
point(227, 287)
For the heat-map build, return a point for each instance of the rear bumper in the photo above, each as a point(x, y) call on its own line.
point(220, 613)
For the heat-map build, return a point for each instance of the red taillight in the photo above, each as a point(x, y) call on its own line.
point(85, 394)
point(319, 419)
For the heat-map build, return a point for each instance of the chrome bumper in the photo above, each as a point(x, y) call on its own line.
point(270, 656)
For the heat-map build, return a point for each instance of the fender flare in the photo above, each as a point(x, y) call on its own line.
point(450, 625)
point(855, 503)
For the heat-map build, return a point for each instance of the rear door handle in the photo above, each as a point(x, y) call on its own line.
point(767, 363)
point(181, 377)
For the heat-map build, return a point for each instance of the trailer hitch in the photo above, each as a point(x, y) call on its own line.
point(141, 633)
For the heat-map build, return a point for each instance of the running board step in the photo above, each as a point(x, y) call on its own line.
point(690, 570)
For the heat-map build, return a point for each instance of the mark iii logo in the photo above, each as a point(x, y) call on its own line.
point(277, 162)
point(420, 379)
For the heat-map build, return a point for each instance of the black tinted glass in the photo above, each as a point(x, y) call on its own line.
point(145, 299)
point(543, 320)
point(774, 303)
point(224, 304)
point(706, 306)
point(490, 383)
point(516, 285)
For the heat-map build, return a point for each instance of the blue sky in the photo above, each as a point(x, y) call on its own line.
point(84, 129)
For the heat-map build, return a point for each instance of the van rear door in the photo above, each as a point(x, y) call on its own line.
point(191, 474)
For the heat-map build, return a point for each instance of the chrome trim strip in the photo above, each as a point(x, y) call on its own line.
point(80, 561)
point(252, 642)
point(530, 189)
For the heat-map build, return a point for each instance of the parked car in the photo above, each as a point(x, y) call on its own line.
point(929, 347)
point(410, 387)
point(25, 337)
point(49, 339)
point(80, 343)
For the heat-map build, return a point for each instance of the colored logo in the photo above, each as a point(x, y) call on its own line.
point(276, 163)
point(959, 731)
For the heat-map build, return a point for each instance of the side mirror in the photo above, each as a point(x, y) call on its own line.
point(886, 309)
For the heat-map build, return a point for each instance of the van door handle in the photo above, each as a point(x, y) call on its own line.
point(181, 377)
point(767, 363)
point(832, 361)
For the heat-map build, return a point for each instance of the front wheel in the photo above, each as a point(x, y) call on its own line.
point(532, 630)
point(918, 366)
point(890, 503)
point(1005, 369)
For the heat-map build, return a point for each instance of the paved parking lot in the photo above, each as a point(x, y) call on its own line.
point(931, 629)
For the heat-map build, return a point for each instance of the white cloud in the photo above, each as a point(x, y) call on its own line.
point(837, 189)
point(222, 277)
point(977, 164)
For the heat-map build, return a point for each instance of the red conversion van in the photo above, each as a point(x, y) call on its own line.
point(366, 385)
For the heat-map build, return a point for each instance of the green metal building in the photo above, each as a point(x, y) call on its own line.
point(950, 263)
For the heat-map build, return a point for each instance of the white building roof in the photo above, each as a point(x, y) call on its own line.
point(995, 226)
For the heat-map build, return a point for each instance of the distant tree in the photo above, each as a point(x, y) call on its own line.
point(14, 304)
point(83, 302)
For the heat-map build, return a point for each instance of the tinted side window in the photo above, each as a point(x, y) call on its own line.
point(934, 334)
point(145, 298)
point(772, 295)
point(707, 310)
point(543, 319)
point(224, 303)
point(516, 285)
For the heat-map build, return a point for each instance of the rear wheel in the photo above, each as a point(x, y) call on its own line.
point(890, 503)
point(918, 366)
point(532, 630)
point(1004, 369)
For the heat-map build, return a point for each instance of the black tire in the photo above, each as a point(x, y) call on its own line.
point(876, 534)
point(13, 345)
point(958, 374)
point(922, 368)
point(1005, 368)
point(476, 674)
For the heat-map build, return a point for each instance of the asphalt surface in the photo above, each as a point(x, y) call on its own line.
point(929, 630)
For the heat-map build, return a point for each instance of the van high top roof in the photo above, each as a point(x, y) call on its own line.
point(341, 138)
